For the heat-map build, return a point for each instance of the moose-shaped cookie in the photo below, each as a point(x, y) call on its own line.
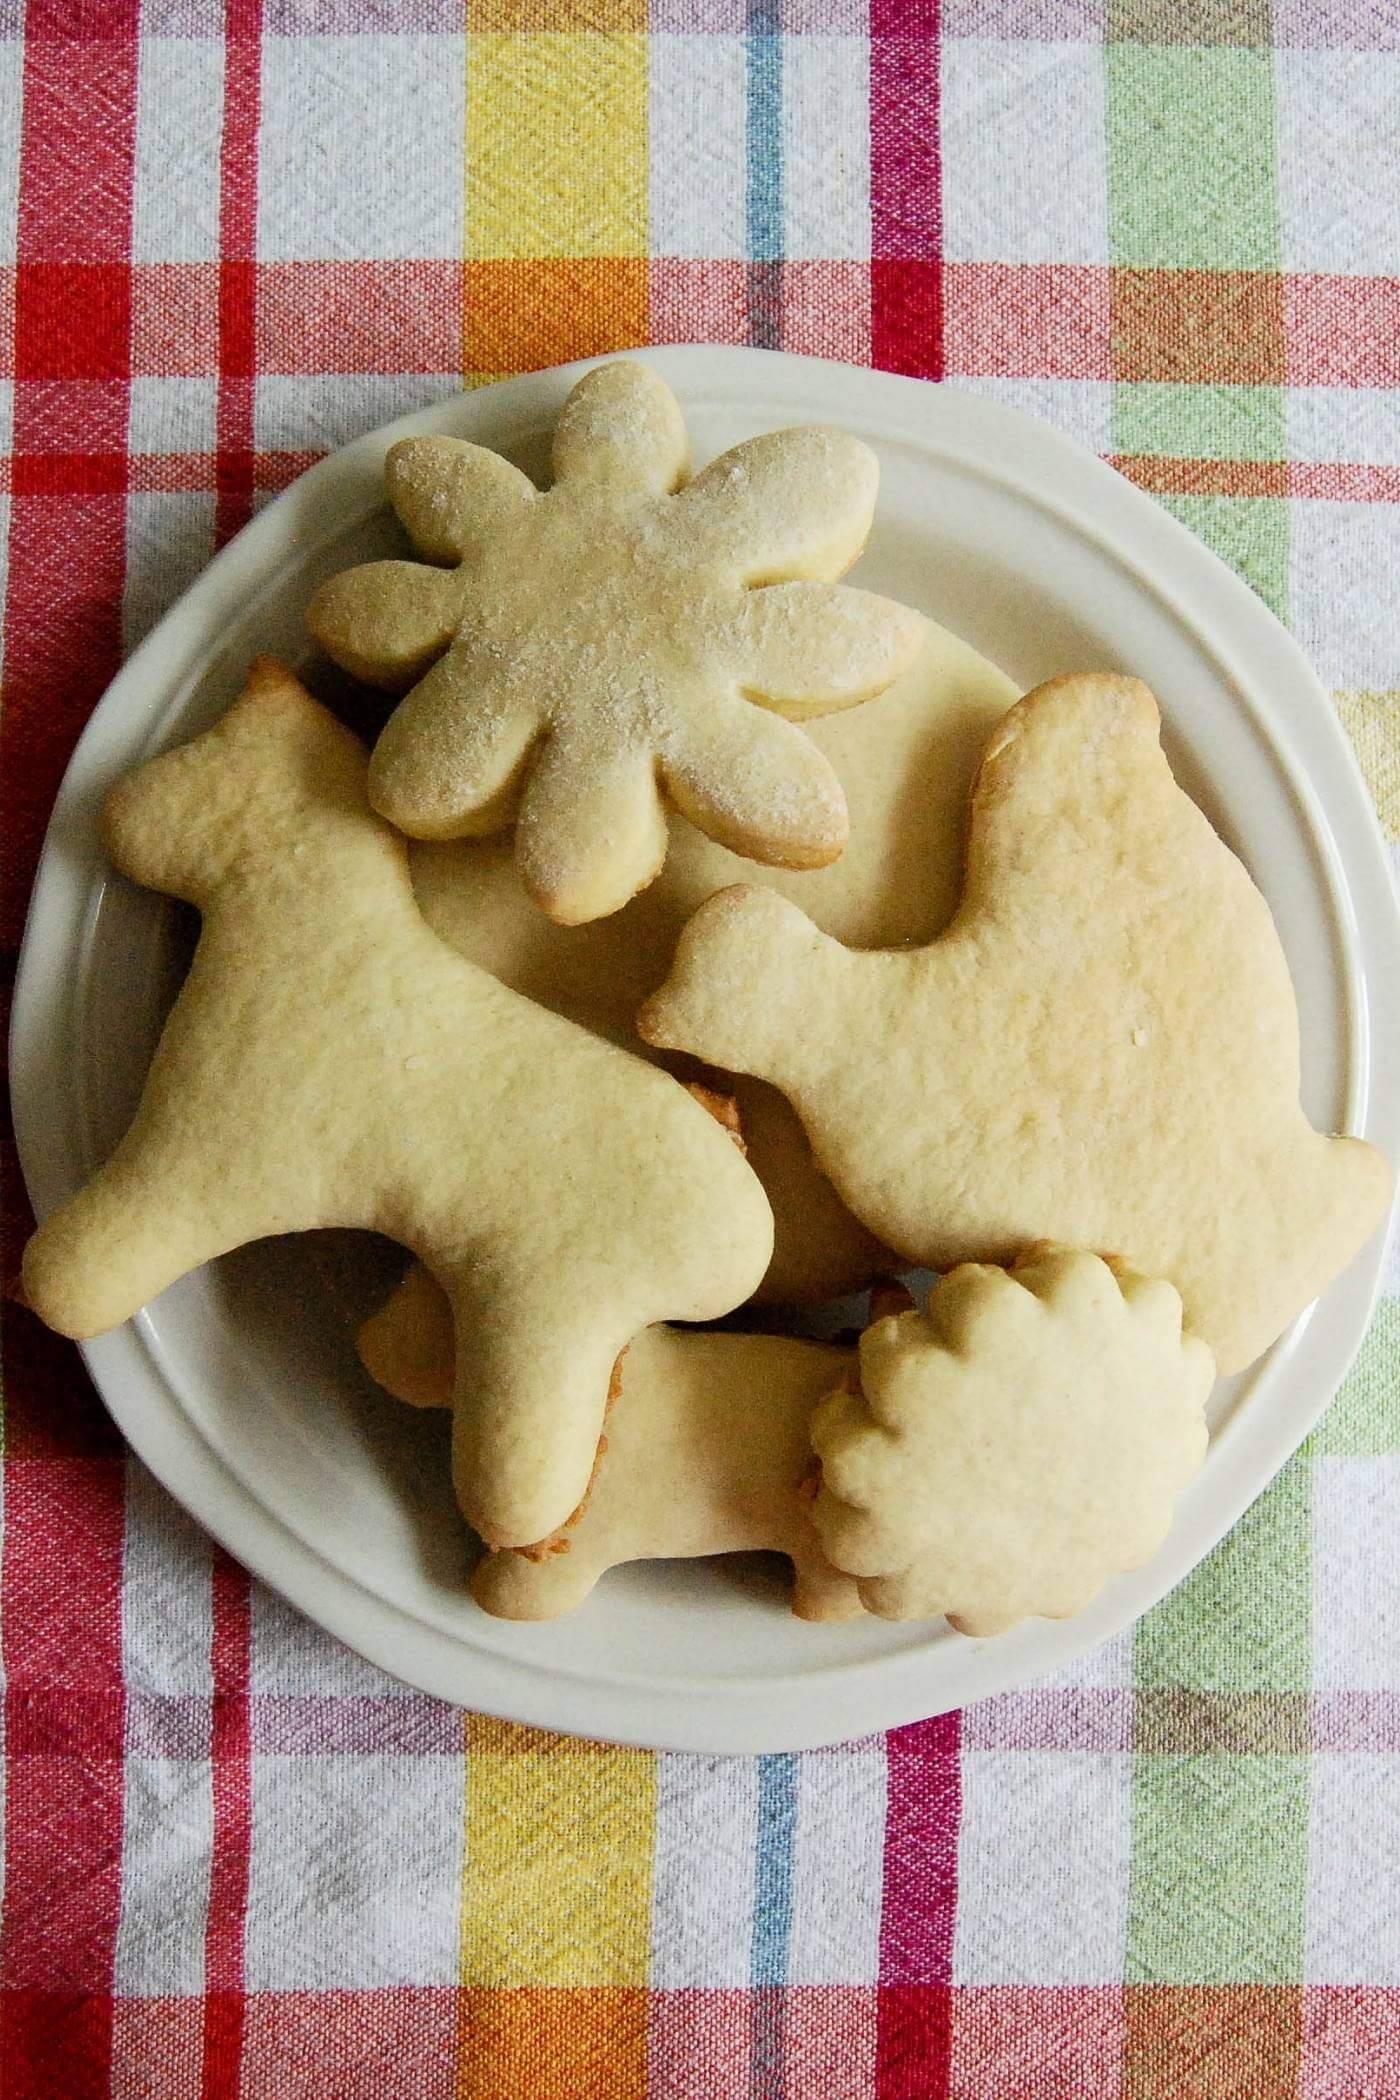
point(329, 1061)
point(1102, 1049)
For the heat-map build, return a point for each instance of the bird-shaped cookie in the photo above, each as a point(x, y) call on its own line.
point(330, 1061)
point(627, 631)
point(1102, 1049)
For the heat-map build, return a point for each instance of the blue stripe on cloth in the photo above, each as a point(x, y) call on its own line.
point(772, 1920)
point(764, 190)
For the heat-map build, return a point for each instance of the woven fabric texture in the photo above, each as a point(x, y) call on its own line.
point(239, 1861)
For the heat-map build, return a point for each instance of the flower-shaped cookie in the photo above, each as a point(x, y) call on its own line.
point(1005, 1452)
point(581, 650)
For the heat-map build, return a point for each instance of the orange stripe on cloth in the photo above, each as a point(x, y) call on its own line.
point(1334, 481)
point(556, 1916)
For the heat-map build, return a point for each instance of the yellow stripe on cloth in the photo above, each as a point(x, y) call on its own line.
point(580, 187)
point(556, 1917)
point(557, 1879)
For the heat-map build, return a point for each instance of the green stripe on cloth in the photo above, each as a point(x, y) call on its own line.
point(1192, 186)
point(1240, 1622)
point(1248, 532)
point(1191, 158)
point(1222, 1669)
point(1219, 1869)
point(1180, 421)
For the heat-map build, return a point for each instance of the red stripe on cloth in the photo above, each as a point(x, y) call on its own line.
point(72, 321)
point(238, 248)
point(365, 316)
point(55, 2043)
point(1028, 320)
point(906, 199)
point(65, 1730)
point(924, 1806)
point(72, 336)
point(1341, 331)
point(175, 473)
point(390, 2043)
point(77, 136)
point(1343, 481)
point(224, 2001)
point(66, 474)
point(61, 1593)
point(62, 645)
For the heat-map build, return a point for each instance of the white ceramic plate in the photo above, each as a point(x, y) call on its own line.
point(239, 1387)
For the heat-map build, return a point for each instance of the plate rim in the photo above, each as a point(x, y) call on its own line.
point(841, 1700)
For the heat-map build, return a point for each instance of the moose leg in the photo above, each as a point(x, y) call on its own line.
point(534, 1362)
point(515, 1586)
point(144, 1220)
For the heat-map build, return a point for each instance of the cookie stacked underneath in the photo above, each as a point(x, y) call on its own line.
point(1076, 1094)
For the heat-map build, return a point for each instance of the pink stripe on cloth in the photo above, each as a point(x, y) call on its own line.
point(1070, 1717)
point(924, 1807)
point(699, 2043)
point(238, 281)
point(1348, 1720)
point(906, 189)
point(1341, 331)
point(414, 1726)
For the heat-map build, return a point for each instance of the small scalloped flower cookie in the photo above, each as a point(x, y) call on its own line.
point(576, 652)
point(1007, 1451)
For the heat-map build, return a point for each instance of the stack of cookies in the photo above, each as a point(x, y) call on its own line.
point(623, 1000)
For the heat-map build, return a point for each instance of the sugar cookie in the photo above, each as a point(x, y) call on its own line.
point(1102, 1049)
point(705, 1451)
point(595, 644)
point(906, 761)
point(1005, 1452)
point(329, 1061)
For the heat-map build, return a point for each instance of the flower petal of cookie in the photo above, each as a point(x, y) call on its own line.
point(451, 495)
point(792, 504)
point(811, 648)
point(623, 424)
point(591, 831)
point(386, 621)
point(753, 782)
point(450, 758)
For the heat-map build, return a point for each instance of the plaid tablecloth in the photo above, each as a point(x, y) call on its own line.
point(240, 1861)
